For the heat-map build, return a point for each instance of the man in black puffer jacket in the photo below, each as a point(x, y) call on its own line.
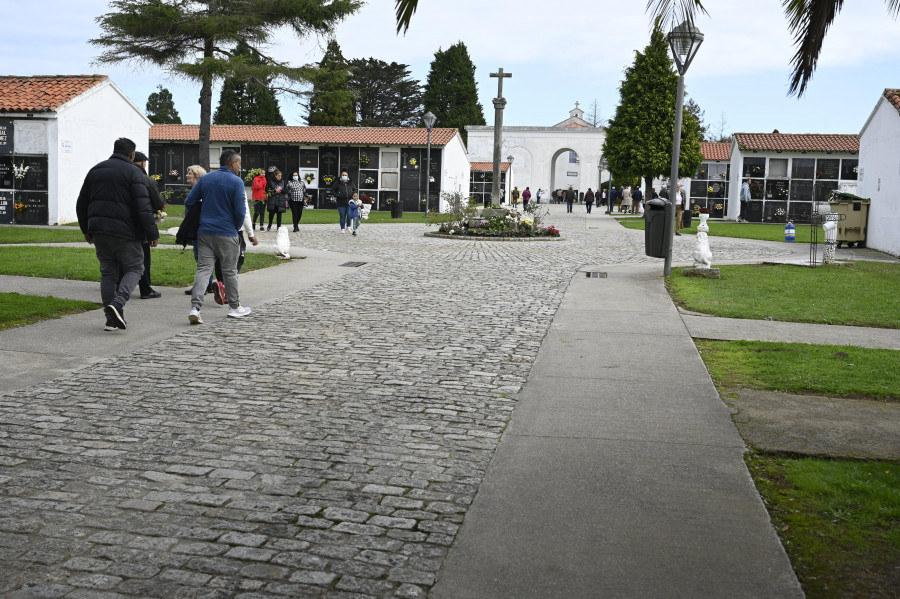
point(114, 214)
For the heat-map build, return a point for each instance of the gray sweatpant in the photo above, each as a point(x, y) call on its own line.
point(227, 250)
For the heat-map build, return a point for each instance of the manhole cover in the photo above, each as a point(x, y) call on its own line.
point(594, 274)
point(353, 264)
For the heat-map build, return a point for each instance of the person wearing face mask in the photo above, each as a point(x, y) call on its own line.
point(297, 192)
point(343, 190)
point(278, 199)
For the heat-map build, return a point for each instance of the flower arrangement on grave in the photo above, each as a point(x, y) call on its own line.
point(390, 200)
point(370, 180)
point(309, 178)
point(366, 199)
point(703, 210)
point(412, 162)
point(363, 159)
point(328, 179)
point(718, 206)
point(20, 170)
point(780, 212)
point(252, 174)
point(20, 208)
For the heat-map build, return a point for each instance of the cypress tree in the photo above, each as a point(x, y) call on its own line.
point(247, 101)
point(161, 107)
point(331, 102)
point(450, 91)
point(639, 137)
point(384, 94)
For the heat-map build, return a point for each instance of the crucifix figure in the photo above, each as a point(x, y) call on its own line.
point(499, 105)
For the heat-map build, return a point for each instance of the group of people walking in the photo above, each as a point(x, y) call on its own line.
point(272, 194)
point(116, 215)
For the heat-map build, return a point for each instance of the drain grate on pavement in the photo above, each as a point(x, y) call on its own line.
point(353, 264)
point(595, 274)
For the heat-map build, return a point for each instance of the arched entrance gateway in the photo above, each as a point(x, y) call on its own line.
point(546, 158)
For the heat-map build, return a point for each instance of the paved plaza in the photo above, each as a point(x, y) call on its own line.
point(333, 443)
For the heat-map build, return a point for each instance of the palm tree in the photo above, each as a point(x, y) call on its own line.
point(808, 21)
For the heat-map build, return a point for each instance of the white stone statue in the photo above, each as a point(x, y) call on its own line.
point(282, 245)
point(702, 253)
point(831, 228)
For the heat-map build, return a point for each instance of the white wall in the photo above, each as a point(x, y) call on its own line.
point(533, 149)
point(879, 177)
point(88, 125)
point(455, 169)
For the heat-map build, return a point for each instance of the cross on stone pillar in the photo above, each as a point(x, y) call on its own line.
point(499, 105)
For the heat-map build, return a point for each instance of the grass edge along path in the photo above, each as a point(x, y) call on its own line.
point(25, 234)
point(171, 268)
point(865, 293)
point(839, 521)
point(802, 368)
point(760, 231)
point(19, 310)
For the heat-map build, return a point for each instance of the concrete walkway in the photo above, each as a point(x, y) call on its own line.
point(621, 473)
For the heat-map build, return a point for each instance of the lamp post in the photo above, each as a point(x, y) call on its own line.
point(429, 119)
point(684, 41)
point(604, 166)
point(509, 159)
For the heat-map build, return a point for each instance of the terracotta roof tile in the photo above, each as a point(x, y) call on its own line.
point(716, 150)
point(386, 136)
point(488, 166)
point(798, 142)
point(42, 93)
point(893, 96)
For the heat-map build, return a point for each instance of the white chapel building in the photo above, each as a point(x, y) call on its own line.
point(564, 155)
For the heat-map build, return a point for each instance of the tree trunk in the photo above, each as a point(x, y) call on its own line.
point(206, 109)
point(648, 185)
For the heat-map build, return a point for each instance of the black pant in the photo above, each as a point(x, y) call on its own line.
point(589, 206)
point(259, 209)
point(144, 282)
point(296, 212)
point(275, 213)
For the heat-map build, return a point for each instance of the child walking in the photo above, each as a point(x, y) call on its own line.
point(353, 212)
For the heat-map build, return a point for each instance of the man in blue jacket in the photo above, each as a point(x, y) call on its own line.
point(114, 214)
point(221, 215)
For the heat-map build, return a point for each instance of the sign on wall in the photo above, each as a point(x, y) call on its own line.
point(6, 207)
point(31, 137)
point(6, 137)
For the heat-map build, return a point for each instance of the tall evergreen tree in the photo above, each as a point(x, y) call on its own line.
point(331, 103)
point(450, 91)
point(384, 94)
point(247, 101)
point(197, 39)
point(161, 107)
point(639, 136)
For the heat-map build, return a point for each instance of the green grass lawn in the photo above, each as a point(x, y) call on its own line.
point(764, 232)
point(19, 310)
point(26, 234)
point(839, 521)
point(831, 370)
point(330, 217)
point(171, 268)
point(867, 294)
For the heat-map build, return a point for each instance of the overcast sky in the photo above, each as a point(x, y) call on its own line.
point(558, 52)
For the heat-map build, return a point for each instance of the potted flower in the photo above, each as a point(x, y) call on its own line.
point(364, 159)
point(309, 178)
point(328, 179)
point(366, 199)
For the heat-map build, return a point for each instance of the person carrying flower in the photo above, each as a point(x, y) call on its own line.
point(259, 198)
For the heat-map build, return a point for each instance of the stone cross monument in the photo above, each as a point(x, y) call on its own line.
point(499, 105)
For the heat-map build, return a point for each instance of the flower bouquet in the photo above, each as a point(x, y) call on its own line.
point(367, 199)
point(252, 174)
point(309, 177)
point(328, 179)
point(20, 208)
point(703, 210)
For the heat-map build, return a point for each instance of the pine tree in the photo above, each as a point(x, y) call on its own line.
point(247, 101)
point(639, 137)
point(197, 39)
point(161, 107)
point(384, 94)
point(331, 103)
point(450, 91)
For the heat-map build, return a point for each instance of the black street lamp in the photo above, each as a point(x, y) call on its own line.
point(684, 41)
point(430, 120)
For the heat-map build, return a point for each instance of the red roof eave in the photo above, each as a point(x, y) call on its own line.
point(375, 136)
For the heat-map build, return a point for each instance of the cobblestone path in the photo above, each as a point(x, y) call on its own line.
point(327, 446)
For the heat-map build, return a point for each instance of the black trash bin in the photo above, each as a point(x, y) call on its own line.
point(397, 210)
point(655, 228)
point(686, 219)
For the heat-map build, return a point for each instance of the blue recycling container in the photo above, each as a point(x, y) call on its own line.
point(789, 232)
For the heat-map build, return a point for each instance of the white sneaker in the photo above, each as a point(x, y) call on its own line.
point(194, 316)
point(342, 231)
point(239, 312)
